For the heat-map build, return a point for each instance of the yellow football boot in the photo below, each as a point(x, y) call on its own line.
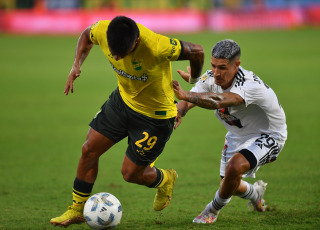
point(74, 215)
point(164, 193)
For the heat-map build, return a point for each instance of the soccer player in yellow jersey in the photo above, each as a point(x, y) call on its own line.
point(141, 108)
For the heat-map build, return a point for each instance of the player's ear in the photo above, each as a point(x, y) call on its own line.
point(236, 65)
point(237, 62)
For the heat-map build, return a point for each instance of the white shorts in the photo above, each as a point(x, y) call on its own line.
point(265, 149)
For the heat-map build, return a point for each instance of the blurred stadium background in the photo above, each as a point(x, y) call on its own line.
point(165, 16)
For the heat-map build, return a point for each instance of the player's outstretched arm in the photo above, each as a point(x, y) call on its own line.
point(195, 54)
point(208, 100)
point(83, 48)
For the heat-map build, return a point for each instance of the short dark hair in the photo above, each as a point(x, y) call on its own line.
point(226, 49)
point(121, 35)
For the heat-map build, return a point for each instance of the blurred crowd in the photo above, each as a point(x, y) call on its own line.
point(149, 4)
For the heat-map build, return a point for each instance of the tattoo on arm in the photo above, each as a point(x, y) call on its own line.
point(182, 112)
point(213, 100)
point(183, 107)
point(203, 100)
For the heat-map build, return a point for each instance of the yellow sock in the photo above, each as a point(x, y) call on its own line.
point(79, 198)
point(164, 178)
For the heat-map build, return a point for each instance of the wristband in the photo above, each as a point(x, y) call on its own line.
point(193, 80)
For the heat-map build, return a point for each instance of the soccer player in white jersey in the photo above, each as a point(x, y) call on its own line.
point(255, 120)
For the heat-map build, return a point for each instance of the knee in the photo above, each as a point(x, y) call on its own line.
point(237, 165)
point(87, 151)
point(128, 176)
point(234, 169)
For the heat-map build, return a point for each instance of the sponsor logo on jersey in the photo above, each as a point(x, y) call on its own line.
point(203, 78)
point(137, 64)
point(143, 78)
point(228, 118)
point(173, 49)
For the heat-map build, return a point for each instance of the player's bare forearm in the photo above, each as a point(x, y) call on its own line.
point(195, 54)
point(183, 107)
point(213, 100)
point(84, 46)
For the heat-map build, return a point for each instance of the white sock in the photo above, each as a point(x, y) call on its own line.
point(218, 203)
point(250, 194)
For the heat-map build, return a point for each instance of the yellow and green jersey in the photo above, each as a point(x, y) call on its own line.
point(144, 75)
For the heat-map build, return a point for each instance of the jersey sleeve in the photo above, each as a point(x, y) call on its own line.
point(98, 31)
point(169, 48)
point(202, 85)
point(251, 92)
point(93, 33)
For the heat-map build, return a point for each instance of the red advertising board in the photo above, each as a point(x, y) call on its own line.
point(259, 19)
point(169, 21)
point(75, 21)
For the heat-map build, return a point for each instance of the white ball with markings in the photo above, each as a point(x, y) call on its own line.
point(102, 211)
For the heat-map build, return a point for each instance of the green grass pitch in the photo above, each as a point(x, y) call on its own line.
point(42, 132)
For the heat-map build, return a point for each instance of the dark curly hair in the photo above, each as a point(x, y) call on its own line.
point(121, 34)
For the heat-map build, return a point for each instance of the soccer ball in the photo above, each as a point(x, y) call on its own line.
point(102, 211)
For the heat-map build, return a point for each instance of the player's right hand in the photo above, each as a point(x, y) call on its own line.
point(177, 121)
point(184, 75)
point(74, 73)
point(178, 91)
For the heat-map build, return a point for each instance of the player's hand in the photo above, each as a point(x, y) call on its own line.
point(178, 91)
point(184, 75)
point(177, 120)
point(74, 73)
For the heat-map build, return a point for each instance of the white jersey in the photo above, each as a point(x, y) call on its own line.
point(261, 113)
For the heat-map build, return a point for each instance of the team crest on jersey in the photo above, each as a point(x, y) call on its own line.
point(137, 64)
point(228, 118)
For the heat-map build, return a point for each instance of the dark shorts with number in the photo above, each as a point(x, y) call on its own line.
point(147, 136)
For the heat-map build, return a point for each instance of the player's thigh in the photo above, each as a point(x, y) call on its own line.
point(266, 149)
point(263, 148)
point(112, 120)
point(96, 143)
point(147, 138)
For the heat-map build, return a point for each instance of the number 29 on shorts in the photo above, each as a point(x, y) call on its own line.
point(146, 140)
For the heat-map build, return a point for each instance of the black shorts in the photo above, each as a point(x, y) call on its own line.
point(146, 136)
